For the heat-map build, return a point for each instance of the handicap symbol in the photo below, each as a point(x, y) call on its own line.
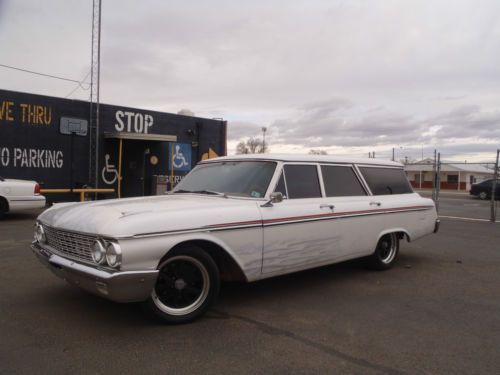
point(109, 169)
point(179, 156)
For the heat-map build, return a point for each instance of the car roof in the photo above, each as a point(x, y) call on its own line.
point(306, 158)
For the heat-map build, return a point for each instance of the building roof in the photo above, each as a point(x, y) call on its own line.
point(428, 165)
point(309, 158)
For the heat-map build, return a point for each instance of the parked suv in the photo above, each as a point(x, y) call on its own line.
point(483, 189)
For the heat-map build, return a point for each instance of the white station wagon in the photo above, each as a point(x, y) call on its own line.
point(233, 218)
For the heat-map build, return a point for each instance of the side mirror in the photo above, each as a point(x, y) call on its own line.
point(275, 197)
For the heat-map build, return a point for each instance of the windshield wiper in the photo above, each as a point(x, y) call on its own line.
point(210, 192)
point(181, 191)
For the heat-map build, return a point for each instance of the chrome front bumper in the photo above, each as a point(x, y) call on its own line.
point(126, 286)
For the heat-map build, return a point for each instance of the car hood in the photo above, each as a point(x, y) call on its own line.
point(146, 215)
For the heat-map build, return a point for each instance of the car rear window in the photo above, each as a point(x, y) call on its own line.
point(341, 181)
point(302, 181)
point(385, 181)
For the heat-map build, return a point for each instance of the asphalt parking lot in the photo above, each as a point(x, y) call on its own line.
point(436, 312)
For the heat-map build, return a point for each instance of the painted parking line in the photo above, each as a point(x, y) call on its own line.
point(466, 218)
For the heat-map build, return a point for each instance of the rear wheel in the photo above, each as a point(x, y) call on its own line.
point(385, 253)
point(188, 283)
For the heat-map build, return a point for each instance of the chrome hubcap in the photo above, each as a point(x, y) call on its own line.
point(387, 248)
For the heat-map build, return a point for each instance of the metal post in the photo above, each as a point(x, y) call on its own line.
point(434, 177)
point(493, 190)
point(97, 103)
point(393, 154)
point(438, 180)
point(120, 153)
point(94, 94)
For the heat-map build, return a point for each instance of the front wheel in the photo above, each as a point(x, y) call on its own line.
point(385, 253)
point(483, 195)
point(188, 282)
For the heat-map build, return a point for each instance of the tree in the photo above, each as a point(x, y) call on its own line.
point(251, 146)
point(317, 152)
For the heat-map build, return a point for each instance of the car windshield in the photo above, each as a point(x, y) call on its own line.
point(236, 178)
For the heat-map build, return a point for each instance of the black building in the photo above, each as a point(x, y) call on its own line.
point(47, 139)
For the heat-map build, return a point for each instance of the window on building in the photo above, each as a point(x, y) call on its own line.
point(452, 178)
point(384, 181)
point(302, 181)
point(419, 177)
point(341, 181)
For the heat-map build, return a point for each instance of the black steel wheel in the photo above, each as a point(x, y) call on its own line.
point(187, 284)
point(385, 253)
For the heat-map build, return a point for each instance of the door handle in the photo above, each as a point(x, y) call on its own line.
point(329, 206)
point(375, 204)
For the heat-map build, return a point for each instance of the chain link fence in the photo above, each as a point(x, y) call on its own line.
point(465, 190)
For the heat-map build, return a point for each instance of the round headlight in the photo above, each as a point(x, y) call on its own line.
point(40, 234)
point(98, 252)
point(113, 254)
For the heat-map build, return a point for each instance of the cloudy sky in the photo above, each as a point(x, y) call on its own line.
point(348, 77)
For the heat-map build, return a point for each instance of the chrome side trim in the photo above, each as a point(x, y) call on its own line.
point(274, 222)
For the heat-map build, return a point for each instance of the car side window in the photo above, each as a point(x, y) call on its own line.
point(341, 181)
point(385, 181)
point(281, 187)
point(302, 181)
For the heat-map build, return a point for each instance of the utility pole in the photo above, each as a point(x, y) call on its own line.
point(438, 180)
point(95, 70)
point(493, 190)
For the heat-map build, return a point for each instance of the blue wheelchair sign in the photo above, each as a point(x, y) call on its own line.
point(180, 157)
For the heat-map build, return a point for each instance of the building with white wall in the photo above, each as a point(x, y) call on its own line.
point(454, 176)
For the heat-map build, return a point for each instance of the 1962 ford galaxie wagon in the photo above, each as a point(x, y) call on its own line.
point(237, 218)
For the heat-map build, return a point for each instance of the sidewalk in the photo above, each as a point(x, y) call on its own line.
point(461, 193)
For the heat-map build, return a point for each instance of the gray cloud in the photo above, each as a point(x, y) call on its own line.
point(318, 74)
point(339, 123)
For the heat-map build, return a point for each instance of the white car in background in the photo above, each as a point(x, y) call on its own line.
point(18, 195)
point(233, 218)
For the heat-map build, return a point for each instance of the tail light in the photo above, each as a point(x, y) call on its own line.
point(37, 189)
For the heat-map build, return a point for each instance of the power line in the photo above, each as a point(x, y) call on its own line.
point(43, 74)
point(80, 85)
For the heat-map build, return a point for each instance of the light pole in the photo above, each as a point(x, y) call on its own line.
point(394, 152)
point(264, 129)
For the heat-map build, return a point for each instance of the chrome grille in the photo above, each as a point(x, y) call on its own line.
point(72, 245)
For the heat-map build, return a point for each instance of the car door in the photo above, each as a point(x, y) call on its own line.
point(296, 234)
